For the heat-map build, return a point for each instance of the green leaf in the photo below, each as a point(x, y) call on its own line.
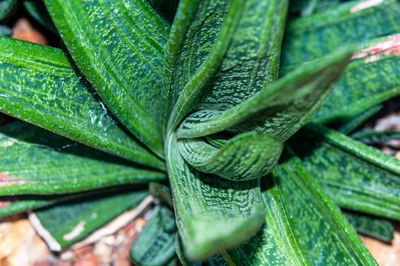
point(371, 78)
point(355, 176)
point(6, 6)
point(303, 226)
point(229, 45)
point(245, 157)
point(378, 228)
point(161, 192)
point(65, 224)
point(39, 85)
point(279, 109)
point(156, 243)
point(38, 11)
point(370, 136)
point(35, 161)
point(12, 205)
point(5, 31)
point(212, 214)
point(354, 22)
point(353, 123)
point(119, 47)
point(308, 7)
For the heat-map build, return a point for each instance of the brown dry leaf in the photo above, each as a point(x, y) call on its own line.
point(23, 30)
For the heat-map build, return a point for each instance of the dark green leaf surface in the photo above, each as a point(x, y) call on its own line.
point(119, 46)
point(5, 31)
point(372, 77)
point(303, 226)
point(355, 176)
point(6, 6)
point(378, 228)
point(308, 7)
point(12, 205)
point(353, 123)
point(370, 136)
point(354, 22)
point(35, 161)
point(38, 11)
point(279, 109)
point(65, 224)
point(229, 52)
point(212, 213)
point(155, 245)
point(245, 157)
point(39, 85)
point(161, 192)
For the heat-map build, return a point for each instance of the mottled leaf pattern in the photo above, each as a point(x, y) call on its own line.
point(119, 46)
point(39, 85)
point(245, 157)
point(303, 226)
point(279, 109)
point(155, 245)
point(35, 161)
point(355, 176)
point(210, 210)
point(371, 226)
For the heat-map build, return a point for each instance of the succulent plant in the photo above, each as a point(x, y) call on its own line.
point(239, 113)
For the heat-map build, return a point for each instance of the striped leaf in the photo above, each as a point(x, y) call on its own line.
point(155, 245)
point(245, 157)
point(371, 78)
point(212, 214)
point(39, 85)
point(303, 226)
point(279, 109)
point(35, 161)
point(356, 177)
point(65, 224)
point(229, 52)
point(354, 22)
point(119, 47)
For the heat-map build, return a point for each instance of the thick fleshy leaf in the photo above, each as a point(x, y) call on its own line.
point(6, 6)
point(354, 22)
point(245, 157)
point(119, 47)
point(229, 52)
point(355, 176)
point(279, 109)
point(303, 226)
point(39, 85)
point(38, 11)
point(353, 123)
point(372, 77)
point(155, 245)
point(212, 214)
point(65, 224)
point(35, 161)
point(375, 227)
